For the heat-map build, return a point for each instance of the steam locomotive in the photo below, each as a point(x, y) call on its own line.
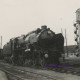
point(39, 47)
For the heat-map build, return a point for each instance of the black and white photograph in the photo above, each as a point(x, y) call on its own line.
point(39, 39)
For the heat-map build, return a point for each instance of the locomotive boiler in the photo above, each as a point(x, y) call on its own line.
point(39, 47)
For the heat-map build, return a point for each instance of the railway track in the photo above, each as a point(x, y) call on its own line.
point(12, 75)
point(22, 74)
point(74, 69)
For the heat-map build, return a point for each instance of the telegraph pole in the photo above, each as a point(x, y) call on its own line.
point(61, 31)
point(66, 42)
point(1, 41)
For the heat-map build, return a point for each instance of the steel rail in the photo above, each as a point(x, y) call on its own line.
point(25, 71)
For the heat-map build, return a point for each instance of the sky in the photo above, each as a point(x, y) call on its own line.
point(18, 17)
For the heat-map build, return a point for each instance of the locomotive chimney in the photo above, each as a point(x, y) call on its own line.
point(43, 27)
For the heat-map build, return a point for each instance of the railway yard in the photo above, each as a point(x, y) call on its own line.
point(31, 73)
point(28, 57)
point(39, 55)
point(38, 40)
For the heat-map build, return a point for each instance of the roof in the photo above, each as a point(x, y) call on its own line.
point(71, 48)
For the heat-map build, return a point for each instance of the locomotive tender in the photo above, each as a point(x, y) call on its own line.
point(38, 47)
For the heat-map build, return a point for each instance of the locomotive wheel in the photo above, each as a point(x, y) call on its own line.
point(20, 60)
point(56, 60)
point(42, 62)
point(34, 62)
point(12, 60)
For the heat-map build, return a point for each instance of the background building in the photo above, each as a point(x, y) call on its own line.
point(77, 30)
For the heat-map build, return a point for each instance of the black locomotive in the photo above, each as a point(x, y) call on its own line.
point(38, 47)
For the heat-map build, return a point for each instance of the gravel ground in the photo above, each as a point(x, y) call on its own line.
point(10, 77)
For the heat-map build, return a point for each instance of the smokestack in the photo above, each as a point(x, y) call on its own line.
point(43, 27)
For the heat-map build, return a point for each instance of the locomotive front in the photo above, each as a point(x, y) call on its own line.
point(51, 44)
point(40, 44)
point(45, 37)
